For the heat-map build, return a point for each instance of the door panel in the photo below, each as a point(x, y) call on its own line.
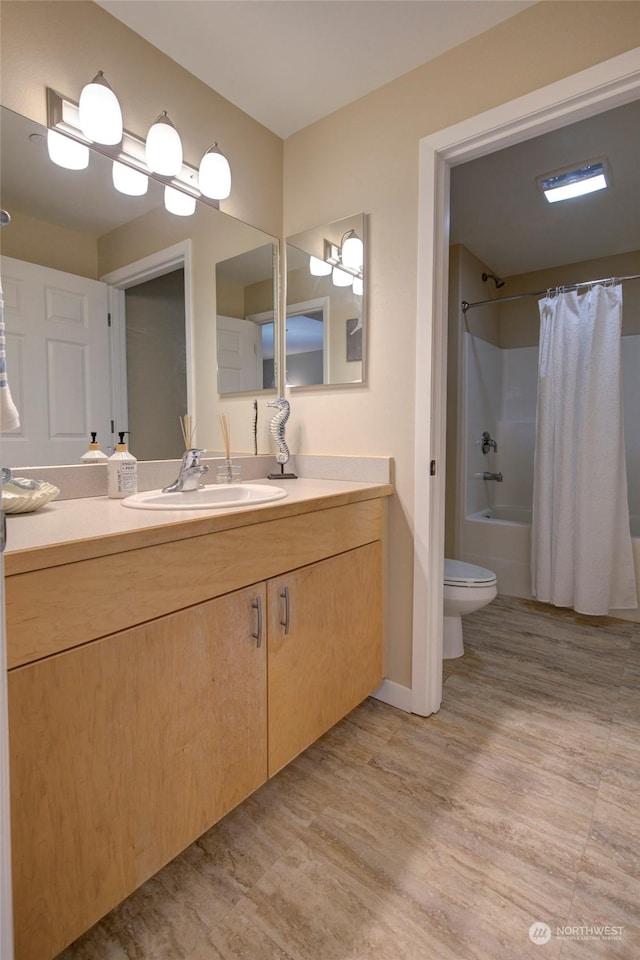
point(123, 752)
point(57, 362)
point(331, 657)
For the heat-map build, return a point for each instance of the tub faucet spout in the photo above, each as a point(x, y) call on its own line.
point(492, 476)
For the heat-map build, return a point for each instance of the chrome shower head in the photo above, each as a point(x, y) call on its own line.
point(499, 282)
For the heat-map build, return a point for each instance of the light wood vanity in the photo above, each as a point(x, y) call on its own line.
point(161, 673)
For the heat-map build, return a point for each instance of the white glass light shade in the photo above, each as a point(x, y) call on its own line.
point(578, 189)
point(214, 177)
point(358, 286)
point(352, 253)
point(163, 149)
point(99, 112)
point(180, 203)
point(319, 268)
point(127, 180)
point(341, 279)
point(67, 152)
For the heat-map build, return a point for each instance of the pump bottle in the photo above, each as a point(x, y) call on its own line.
point(94, 454)
point(122, 471)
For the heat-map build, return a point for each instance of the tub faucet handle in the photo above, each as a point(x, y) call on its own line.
point(487, 442)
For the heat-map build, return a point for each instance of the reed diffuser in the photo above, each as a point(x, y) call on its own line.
point(227, 472)
point(188, 430)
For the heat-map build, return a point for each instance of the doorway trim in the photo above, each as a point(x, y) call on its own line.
point(604, 86)
point(139, 271)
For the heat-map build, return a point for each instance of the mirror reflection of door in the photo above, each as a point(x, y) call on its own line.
point(77, 223)
point(156, 358)
point(307, 328)
point(245, 353)
point(57, 343)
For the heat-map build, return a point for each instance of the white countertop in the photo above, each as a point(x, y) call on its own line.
point(92, 521)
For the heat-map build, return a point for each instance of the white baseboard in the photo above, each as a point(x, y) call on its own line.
point(394, 694)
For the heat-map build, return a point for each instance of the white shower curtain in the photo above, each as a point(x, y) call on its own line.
point(581, 553)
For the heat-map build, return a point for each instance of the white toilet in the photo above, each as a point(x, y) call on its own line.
point(467, 588)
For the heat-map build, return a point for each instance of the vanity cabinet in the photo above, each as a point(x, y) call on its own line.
point(323, 658)
point(167, 683)
point(123, 752)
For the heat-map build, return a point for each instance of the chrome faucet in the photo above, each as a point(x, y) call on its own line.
point(190, 472)
point(488, 443)
point(492, 476)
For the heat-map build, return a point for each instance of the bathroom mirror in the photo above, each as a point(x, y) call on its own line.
point(127, 297)
point(325, 338)
point(244, 324)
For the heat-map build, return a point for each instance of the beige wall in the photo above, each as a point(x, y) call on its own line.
point(520, 319)
point(50, 245)
point(365, 157)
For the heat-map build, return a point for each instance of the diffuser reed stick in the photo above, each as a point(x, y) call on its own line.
point(226, 435)
point(188, 430)
point(226, 439)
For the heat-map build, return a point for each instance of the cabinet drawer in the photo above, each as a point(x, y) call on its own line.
point(61, 607)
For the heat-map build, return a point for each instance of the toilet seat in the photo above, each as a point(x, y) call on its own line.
point(460, 574)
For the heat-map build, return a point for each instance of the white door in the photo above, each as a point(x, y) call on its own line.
point(239, 347)
point(57, 340)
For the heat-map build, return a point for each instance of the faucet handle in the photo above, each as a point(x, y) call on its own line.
point(191, 457)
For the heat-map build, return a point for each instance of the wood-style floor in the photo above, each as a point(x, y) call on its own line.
point(397, 837)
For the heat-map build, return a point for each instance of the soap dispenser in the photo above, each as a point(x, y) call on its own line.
point(94, 454)
point(122, 471)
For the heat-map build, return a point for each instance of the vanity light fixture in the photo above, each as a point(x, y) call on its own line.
point(352, 251)
point(66, 152)
point(319, 268)
point(576, 181)
point(163, 148)
point(129, 181)
point(99, 112)
point(343, 261)
point(214, 175)
point(340, 278)
point(179, 203)
point(130, 152)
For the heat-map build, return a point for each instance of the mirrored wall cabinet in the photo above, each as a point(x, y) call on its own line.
point(191, 298)
point(325, 338)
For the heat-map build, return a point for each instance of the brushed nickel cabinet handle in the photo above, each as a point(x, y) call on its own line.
point(285, 623)
point(257, 605)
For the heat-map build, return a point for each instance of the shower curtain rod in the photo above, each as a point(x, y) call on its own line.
point(539, 293)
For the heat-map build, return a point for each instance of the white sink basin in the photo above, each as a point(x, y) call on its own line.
point(206, 498)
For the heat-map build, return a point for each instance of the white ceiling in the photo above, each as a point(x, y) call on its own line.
point(499, 213)
point(287, 63)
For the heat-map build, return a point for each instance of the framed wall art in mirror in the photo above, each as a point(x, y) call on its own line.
point(325, 338)
point(111, 305)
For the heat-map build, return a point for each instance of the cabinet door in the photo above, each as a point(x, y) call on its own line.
point(331, 657)
point(123, 752)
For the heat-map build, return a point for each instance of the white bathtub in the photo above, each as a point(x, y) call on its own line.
point(500, 539)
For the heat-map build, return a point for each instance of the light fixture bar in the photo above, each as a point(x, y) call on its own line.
point(62, 115)
point(332, 256)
